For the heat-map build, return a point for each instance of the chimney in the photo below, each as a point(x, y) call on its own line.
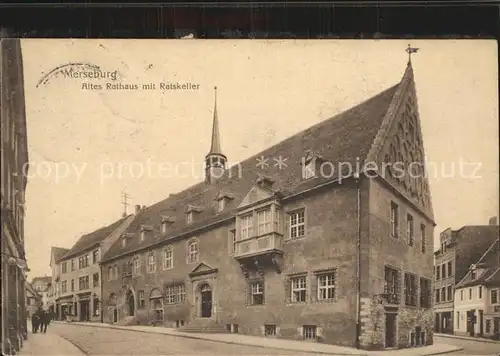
point(493, 221)
point(137, 209)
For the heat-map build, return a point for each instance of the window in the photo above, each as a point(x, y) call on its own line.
point(473, 274)
point(95, 256)
point(443, 294)
point(110, 273)
point(193, 251)
point(438, 274)
point(257, 293)
point(461, 294)
point(124, 242)
point(443, 270)
point(297, 224)
point(494, 296)
point(263, 222)
point(72, 285)
point(73, 265)
point(480, 292)
point(391, 286)
point(151, 262)
point(142, 236)
point(298, 289)
point(309, 332)
point(423, 237)
point(221, 204)
point(450, 293)
point(64, 267)
point(64, 287)
point(450, 269)
point(409, 229)
point(95, 280)
point(443, 247)
point(83, 261)
point(175, 293)
point(115, 271)
point(163, 227)
point(438, 296)
point(410, 289)
point(189, 217)
point(142, 301)
point(470, 293)
point(458, 320)
point(83, 283)
point(425, 293)
point(326, 286)
point(309, 170)
point(488, 326)
point(394, 219)
point(168, 258)
point(277, 221)
point(232, 241)
point(136, 266)
point(246, 226)
point(269, 330)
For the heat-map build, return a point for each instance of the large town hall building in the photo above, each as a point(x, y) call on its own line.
point(293, 252)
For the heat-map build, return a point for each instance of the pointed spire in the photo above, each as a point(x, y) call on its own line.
point(215, 147)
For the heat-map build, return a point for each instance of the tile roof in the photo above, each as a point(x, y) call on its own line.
point(59, 252)
point(489, 263)
point(93, 238)
point(44, 279)
point(346, 137)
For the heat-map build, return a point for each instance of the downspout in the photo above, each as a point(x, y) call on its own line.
point(358, 269)
point(102, 295)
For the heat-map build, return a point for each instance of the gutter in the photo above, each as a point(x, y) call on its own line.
point(358, 269)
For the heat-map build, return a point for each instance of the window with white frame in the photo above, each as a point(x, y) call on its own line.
point(264, 221)
point(309, 170)
point(232, 241)
point(110, 273)
point(277, 220)
point(246, 226)
point(409, 229)
point(175, 293)
point(168, 258)
point(163, 227)
point(142, 235)
point(151, 262)
point(221, 204)
point(124, 242)
point(297, 224)
point(193, 251)
point(299, 285)
point(257, 293)
point(326, 286)
point(189, 217)
point(137, 265)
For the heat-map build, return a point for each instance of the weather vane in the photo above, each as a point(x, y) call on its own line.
point(411, 50)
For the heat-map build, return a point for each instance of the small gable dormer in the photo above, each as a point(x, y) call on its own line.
point(125, 238)
point(222, 199)
point(144, 232)
point(191, 212)
point(166, 221)
point(311, 164)
point(264, 181)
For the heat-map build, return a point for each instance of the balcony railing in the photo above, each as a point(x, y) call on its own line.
point(259, 244)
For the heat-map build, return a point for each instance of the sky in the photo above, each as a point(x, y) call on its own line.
point(88, 146)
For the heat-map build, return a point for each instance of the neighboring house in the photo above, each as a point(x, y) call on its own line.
point(56, 253)
point(79, 273)
point(14, 172)
point(278, 246)
point(458, 250)
point(477, 304)
point(42, 286)
point(33, 299)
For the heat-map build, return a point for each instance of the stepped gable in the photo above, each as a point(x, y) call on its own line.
point(346, 137)
point(93, 238)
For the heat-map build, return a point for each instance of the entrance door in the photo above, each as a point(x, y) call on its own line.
point(206, 301)
point(390, 329)
point(481, 322)
point(436, 323)
point(131, 304)
point(115, 315)
point(84, 310)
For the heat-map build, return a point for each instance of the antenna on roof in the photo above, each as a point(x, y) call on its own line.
point(125, 203)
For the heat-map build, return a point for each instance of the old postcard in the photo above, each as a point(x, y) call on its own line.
point(250, 197)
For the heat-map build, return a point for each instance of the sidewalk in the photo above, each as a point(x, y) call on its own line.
point(48, 344)
point(478, 339)
point(283, 344)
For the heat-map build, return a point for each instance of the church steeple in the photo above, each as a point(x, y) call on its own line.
point(215, 161)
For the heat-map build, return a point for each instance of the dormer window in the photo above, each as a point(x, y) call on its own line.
point(190, 213)
point(189, 217)
point(124, 242)
point(310, 165)
point(166, 221)
point(222, 199)
point(221, 204)
point(142, 235)
point(264, 181)
point(144, 231)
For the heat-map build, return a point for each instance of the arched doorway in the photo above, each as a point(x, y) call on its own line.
point(206, 301)
point(131, 303)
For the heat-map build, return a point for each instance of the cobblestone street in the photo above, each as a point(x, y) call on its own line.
point(470, 347)
point(100, 341)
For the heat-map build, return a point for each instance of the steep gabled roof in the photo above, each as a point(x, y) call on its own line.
point(31, 290)
point(92, 239)
point(46, 280)
point(58, 253)
point(489, 264)
point(346, 137)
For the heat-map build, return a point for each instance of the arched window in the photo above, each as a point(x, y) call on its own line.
point(192, 251)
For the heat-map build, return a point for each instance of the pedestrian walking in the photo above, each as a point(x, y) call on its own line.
point(45, 320)
point(35, 322)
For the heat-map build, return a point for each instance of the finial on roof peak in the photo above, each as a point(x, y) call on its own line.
point(411, 50)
